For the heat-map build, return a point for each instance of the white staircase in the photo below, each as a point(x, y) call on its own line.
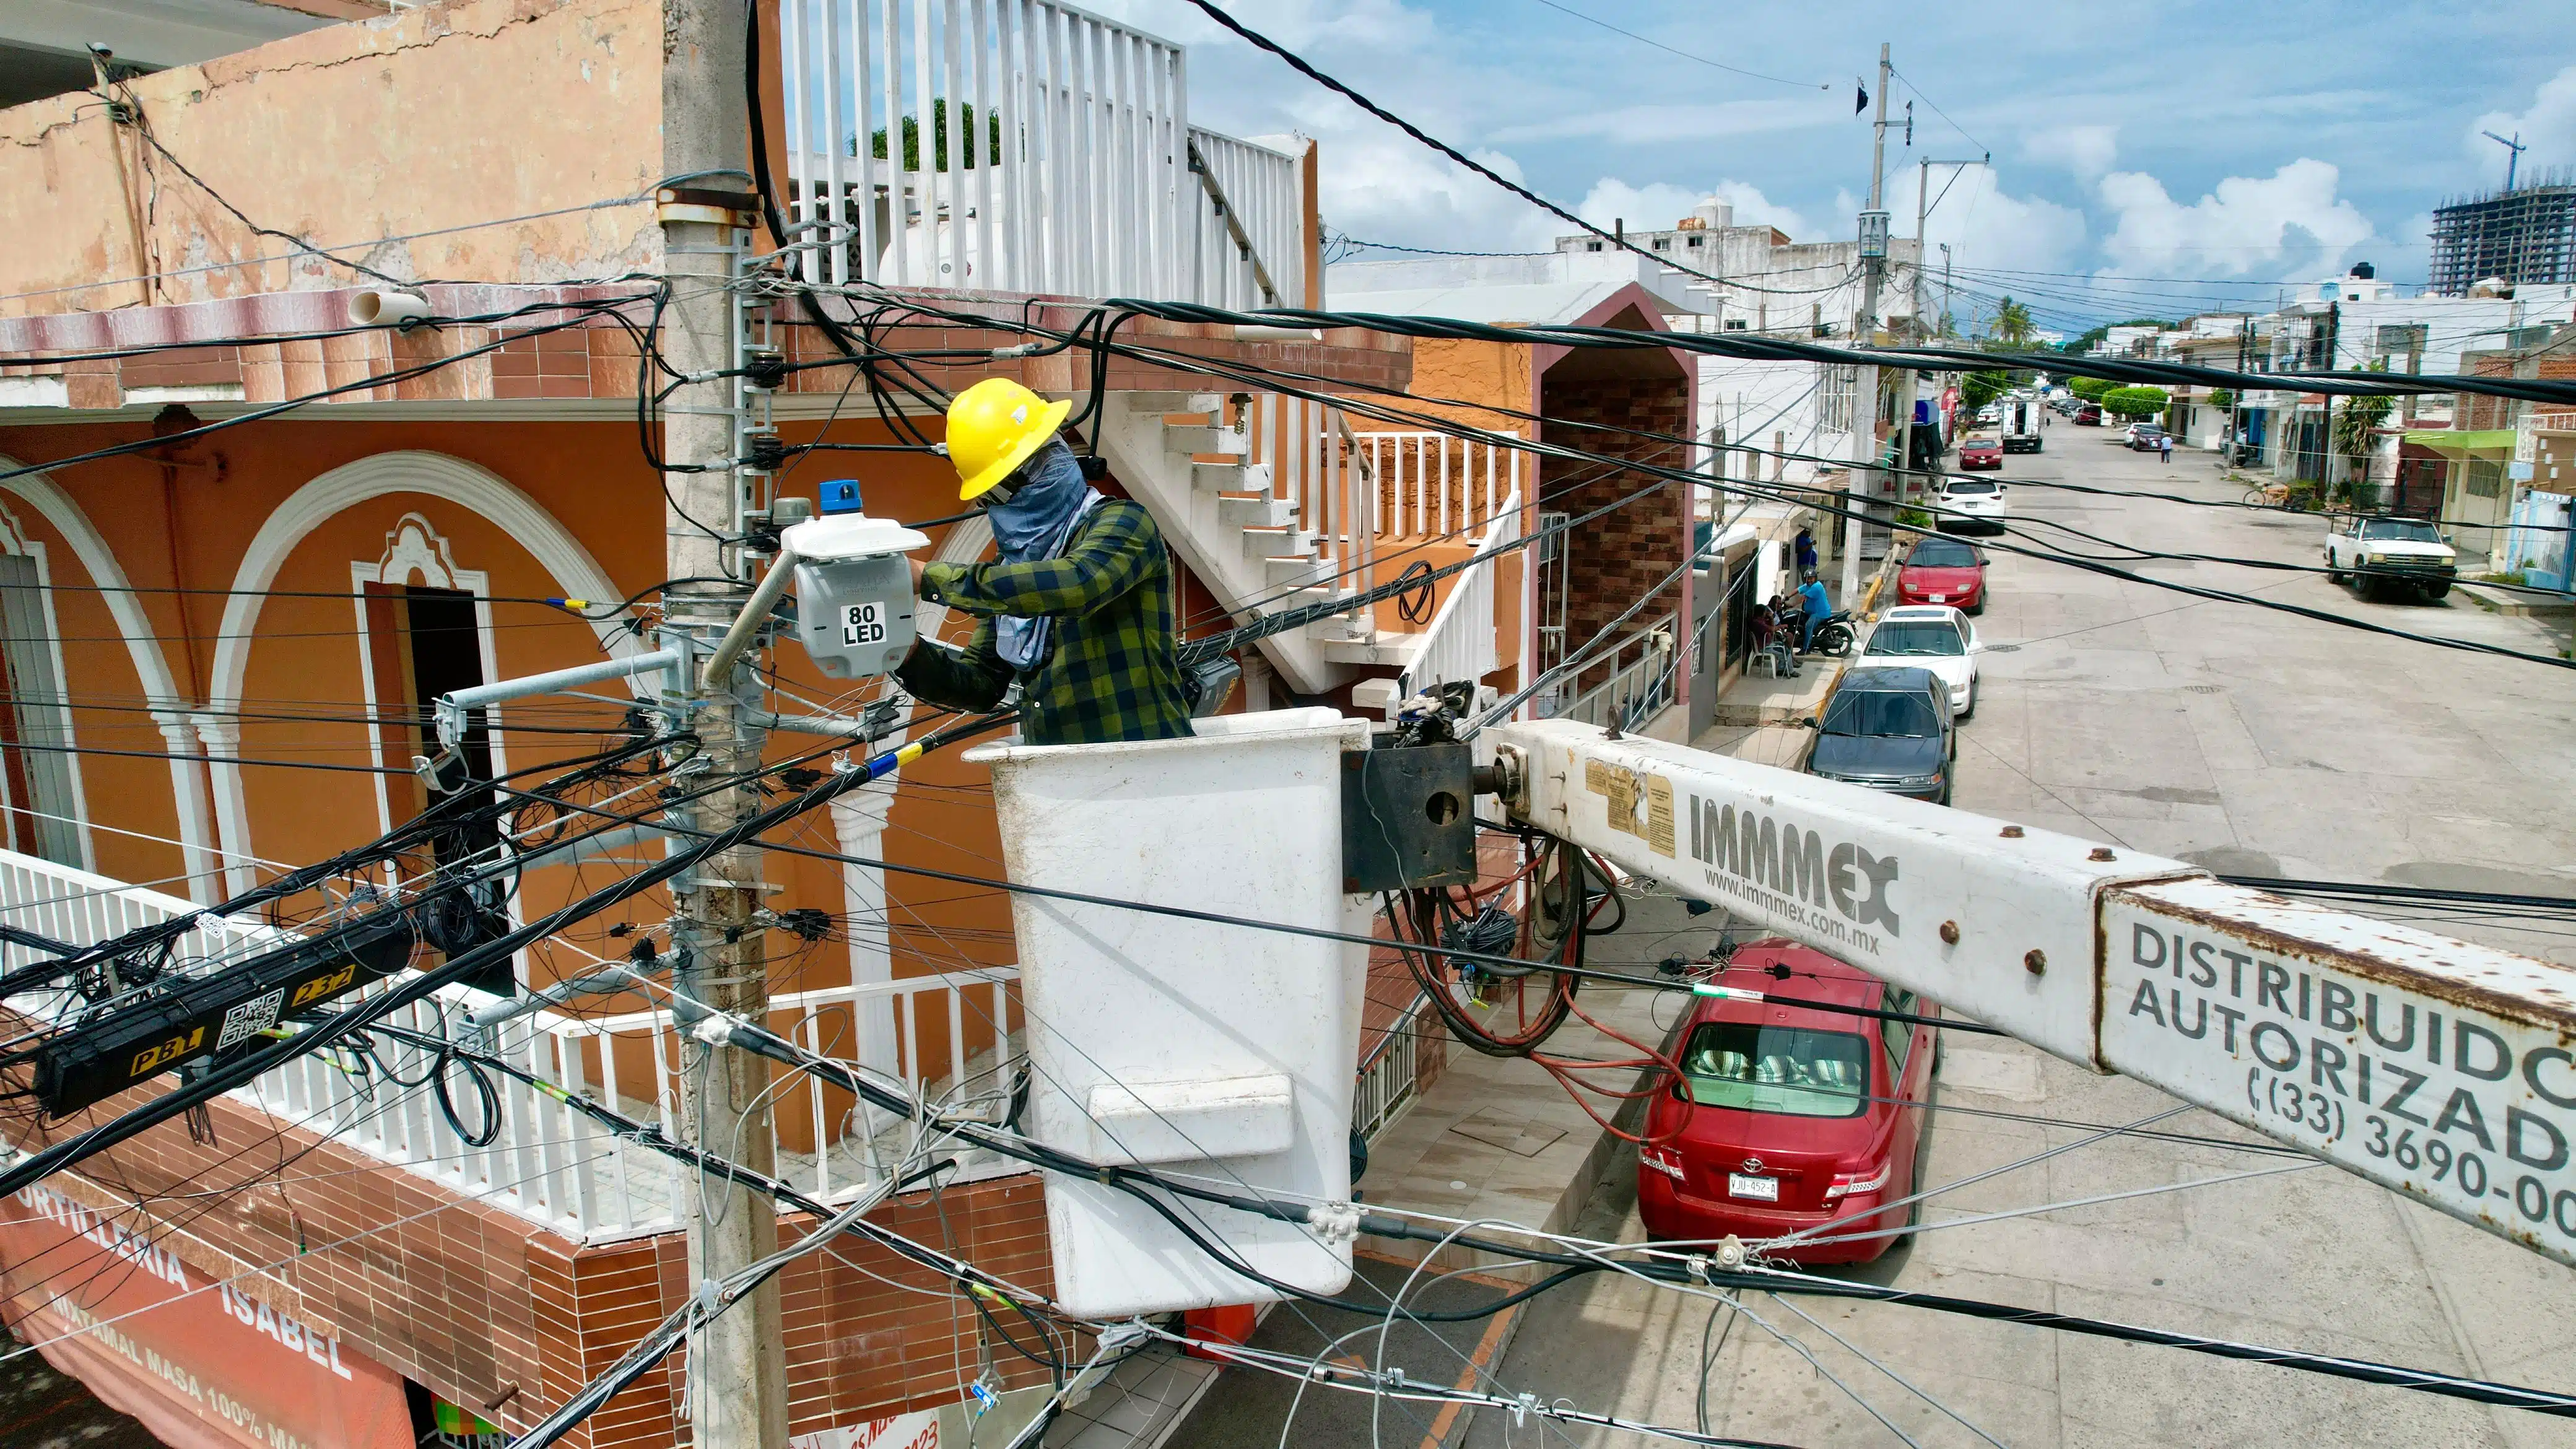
point(1254, 507)
point(1275, 503)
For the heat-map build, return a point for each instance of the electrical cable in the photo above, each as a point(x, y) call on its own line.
point(249, 1066)
point(1456, 156)
point(1328, 609)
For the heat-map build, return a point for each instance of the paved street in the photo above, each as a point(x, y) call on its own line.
point(2251, 742)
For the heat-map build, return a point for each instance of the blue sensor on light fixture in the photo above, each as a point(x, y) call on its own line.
point(840, 495)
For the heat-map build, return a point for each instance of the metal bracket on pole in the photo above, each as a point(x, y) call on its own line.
point(451, 709)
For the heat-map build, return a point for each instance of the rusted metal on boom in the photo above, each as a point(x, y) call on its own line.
point(2443, 1069)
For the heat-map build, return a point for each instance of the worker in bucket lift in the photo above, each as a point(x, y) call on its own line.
point(1077, 610)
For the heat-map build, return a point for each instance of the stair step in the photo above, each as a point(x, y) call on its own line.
point(1256, 511)
point(1188, 439)
point(1376, 694)
point(1176, 402)
point(1280, 603)
point(1230, 477)
point(1290, 573)
point(1270, 543)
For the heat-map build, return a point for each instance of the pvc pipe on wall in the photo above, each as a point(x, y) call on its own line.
point(387, 309)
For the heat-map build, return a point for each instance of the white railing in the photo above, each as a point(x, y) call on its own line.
point(1076, 179)
point(77, 907)
point(1639, 683)
point(1389, 1078)
point(1302, 451)
point(1252, 224)
point(1431, 485)
point(541, 1158)
point(1459, 642)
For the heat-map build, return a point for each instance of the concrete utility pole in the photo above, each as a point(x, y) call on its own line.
point(1865, 402)
point(737, 1364)
point(1922, 211)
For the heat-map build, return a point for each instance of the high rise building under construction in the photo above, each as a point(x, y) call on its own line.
point(2521, 235)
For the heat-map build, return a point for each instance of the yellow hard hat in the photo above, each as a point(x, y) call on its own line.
point(993, 427)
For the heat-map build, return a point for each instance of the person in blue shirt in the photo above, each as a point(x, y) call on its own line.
point(1814, 608)
point(1806, 553)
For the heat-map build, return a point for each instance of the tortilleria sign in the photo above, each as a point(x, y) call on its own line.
point(203, 1364)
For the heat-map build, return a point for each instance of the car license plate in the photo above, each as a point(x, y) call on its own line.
point(1766, 1189)
point(1940, 598)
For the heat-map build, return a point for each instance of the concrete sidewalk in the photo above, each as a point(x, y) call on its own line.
point(1500, 1138)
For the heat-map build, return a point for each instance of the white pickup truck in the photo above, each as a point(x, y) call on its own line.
point(2397, 554)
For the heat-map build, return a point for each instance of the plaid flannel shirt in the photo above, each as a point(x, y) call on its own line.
point(1113, 672)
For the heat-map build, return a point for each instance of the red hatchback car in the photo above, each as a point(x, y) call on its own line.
point(1943, 571)
point(1789, 1117)
point(1980, 453)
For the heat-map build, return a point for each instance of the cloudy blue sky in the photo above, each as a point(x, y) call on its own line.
point(2244, 144)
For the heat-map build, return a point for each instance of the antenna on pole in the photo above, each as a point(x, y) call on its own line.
point(2514, 149)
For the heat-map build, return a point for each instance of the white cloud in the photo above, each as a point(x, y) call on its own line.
point(2548, 128)
point(1986, 226)
point(1388, 189)
point(2087, 151)
point(2291, 220)
point(1657, 205)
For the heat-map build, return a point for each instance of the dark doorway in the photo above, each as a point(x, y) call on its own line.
point(422, 643)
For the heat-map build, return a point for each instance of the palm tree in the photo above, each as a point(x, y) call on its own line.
point(2012, 324)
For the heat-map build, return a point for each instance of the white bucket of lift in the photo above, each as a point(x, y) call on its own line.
point(1214, 1051)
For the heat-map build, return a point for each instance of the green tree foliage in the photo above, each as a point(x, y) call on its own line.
point(2088, 388)
point(2221, 399)
point(991, 154)
point(1980, 388)
point(2013, 324)
point(2134, 402)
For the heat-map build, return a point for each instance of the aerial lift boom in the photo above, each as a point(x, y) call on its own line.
point(2439, 1068)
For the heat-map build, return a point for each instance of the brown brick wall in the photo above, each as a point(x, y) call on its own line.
point(183, 367)
point(494, 1312)
point(2475, 412)
point(1620, 555)
point(598, 361)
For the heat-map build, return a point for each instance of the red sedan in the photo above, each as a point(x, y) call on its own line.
point(1943, 571)
point(1790, 1117)
point(1980, 453)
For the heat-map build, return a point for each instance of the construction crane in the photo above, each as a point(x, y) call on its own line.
point(2513, 154)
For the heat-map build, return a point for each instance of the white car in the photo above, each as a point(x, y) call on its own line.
point(1966, 503)
point(1934, 637)
point(2407, 554)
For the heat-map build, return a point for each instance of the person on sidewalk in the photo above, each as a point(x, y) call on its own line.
point(1077, 612)
point(2164, 445)
point(1770, 635)
point(1814, 608)
point(1806, 553)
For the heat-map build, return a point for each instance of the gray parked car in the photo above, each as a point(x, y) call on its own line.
point(1889, 729)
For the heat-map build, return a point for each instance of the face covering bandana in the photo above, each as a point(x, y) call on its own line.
point(1034, 524)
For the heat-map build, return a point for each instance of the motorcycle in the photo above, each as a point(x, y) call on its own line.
point(1834, 635)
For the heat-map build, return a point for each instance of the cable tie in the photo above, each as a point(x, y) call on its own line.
point(1697, 1266)
point(1523, 1405)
